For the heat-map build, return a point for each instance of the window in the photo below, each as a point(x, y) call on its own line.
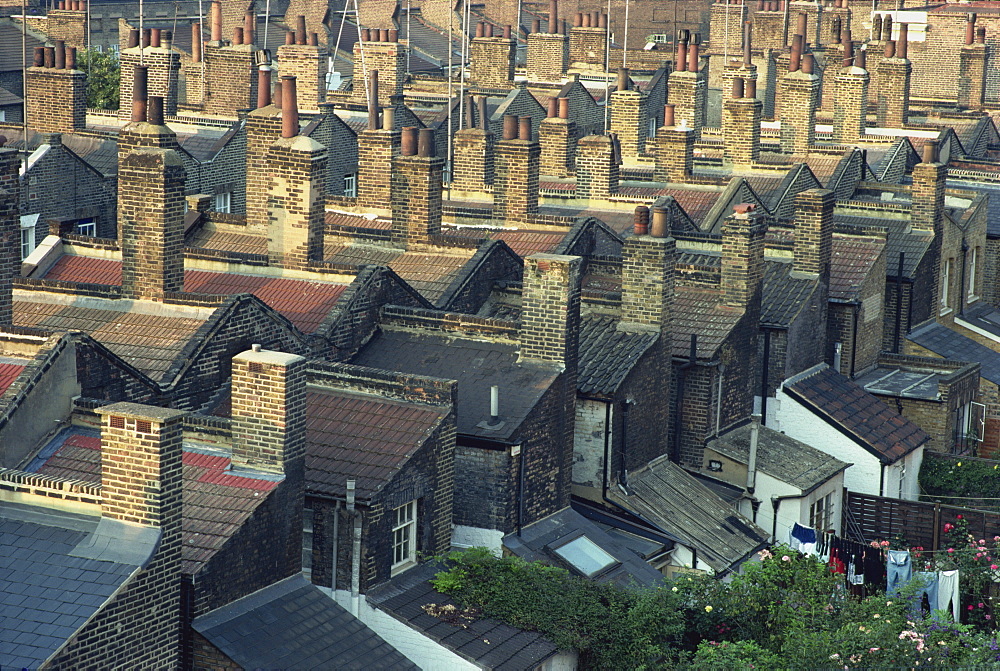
point(945, 282)
point(973, 257)
point(821, 513)
point(969, 425)
point(86, 227)
point(902, 479)
point(307, 542)
point(3, 115)
point(222, 202)
point(651, 126)
point(585, 556)
point(28, 234)
point(404, 537)
point(351, 186)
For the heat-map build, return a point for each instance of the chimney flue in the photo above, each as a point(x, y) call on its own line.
point(155, 111)
point(693, 53)
point(60, 55)
point(39, 61)
point(408, 142)
point(660, 226)
point(216, 20)
point(553, 108)
point(154, 37)
point(902, 43)
point(425, 143)
point(289, 108)
point(263, 86)
point(747, 43)
point(484, 121)
point(795, 59)
point(195, 43)
point(238, 35)
point(139, 89)
point(807, 64)
point(300, 29)
point(668, 115)
point(970, 28)
point(494, 404)
point(680, 64)
point(71, 58)
point(622, 79)
point(249, 27)
point(510, 127)
point(553, 16)
point(738, 90)
point(930, 151)
point(50, 57)
point(524, 128)
point(640, 220)
point(277, 94)
point(564, 108)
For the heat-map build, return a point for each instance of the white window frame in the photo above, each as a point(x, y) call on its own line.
point(27, 236)
point(821, 513)
point(86, 227)
point(351, 185)
point(307, 542)
point(971, 293)
point(404, 537)
point(945, 286)
point(223, 202)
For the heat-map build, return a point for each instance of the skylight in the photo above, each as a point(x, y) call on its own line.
point(585, 556)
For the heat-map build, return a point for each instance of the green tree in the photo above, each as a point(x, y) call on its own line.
point(103, 74)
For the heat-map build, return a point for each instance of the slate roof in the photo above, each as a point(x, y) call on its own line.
point(534, 543)
point(50, 585)
point(982, 315)
point(364, 437)
point(486, 642)
point(672, 499)
point(150, 342)
point(9, 373)
point(217, 499)
point(993, 206)
point(783, 296)
point(857, 414)
point(293, 625)
point(8, 98)
point(697, 310)
point(901, 239)
point(607, 355)
point(305, 303)
point(780, 456)
point(429, 273)
point(894, 381)
point(953, 345)
point(476, 364)
point(11, 55)
point(851, 261)
point(523, 242)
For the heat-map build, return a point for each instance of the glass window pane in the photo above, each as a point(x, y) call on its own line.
point(585, 556)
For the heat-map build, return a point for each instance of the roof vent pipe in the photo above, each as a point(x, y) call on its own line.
point(838, 356)
point(660, 226)
point(289, 107)
point(640, 220)
point(425, 143)
point(752, 457)
point(139, 88)
point(494, 404)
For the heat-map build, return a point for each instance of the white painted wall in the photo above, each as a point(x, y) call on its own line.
point(588, 443)
point(475, 537)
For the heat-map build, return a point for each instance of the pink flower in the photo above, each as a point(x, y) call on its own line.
point(988, 617)
point(884, 544)
point(970, 606)
point(948, 527)
point(980, 604)
point(951, 549)
point(958, 517)
point(786, 558)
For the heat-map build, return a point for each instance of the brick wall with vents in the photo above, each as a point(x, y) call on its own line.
point(56, 100)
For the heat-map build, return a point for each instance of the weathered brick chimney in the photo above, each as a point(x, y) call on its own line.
point(893, 83)
point(515, 190)
point(726, 21)
point(162, 67)
point(813, 232)
point(741, 115)
point(263, 128)
point(927, 206)
point(268, 410)
point(10, 231)
point(588, 41)
point(742, 258)
point(628, 117)
point(648, 273)
point(473, 149)
point(68, 23)
point(56, 91)
point(597, 171)
point(378, 145)
point(550, 310)
point(416, 189)
point(799, 92)
point(557, 137)
point(851, 94)
point(151, 210)
point(491, 58)
point(297, 201)
point(547, 52)
point(972, 66)
point(307, 62)
point(687, 86)
point(674, 150)
point(384, 54)
point(230, 70)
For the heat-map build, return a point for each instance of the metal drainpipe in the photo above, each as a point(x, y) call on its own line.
point(854, 340)
point(356, 550)
point(962, 293)
point(764, 369)
point(623, 472)
point(336, 546)
point(682, 373)
point(896, 344)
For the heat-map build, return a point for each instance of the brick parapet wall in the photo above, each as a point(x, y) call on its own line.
point(56, 100)
point(587, 47)
point(389, 58)
point(230, 82)
point(161, 77)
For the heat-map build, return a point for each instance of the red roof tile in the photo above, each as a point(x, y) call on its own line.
point(8, 373)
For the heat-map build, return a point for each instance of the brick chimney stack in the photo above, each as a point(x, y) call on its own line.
point(674, 150)
point(648, 273)
point(416, 189)
point(557, 137)
point(587, 41)
point(687, 86)
point(628, 117)
point(473, 149)
point(547, 52)
point(230, 82)
point(56, 95)
point(67, 22)
point(741, 116)
point(927, 207)
point(10, 231)
point(383, 53)
point(851, 94)
point(742, 258)
point(378, 147)
point(151, 210)
point(550, 310)
point(162, 65)
point(307, 63)
point(269, 410)
point(141, 470)
point(813, 232)
point(596, 167)
point(491, 58)
point(515, 190)
point(798, 90)
point(297, 201)
point(893, 83)
point(972, 66)
point(263, 128)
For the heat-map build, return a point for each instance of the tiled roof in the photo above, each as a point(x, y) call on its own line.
point(684, 508)
point(149, 342)
point(217, 499)
point(607, 355)
point(783, 296)
point(204, 142)
point(101, 153)
point(48, 589)
point(11, 55)
point(856, 413)
point(851, 261)
point(476, 364)
point(293, 625)
point(697, 310)
point(9, 373)
point(241, 243)
point(8, 98)
point(429, 273)
point(523, 242)
point(363, 437)
point(490, 643)
point(953, 345)
point(780, 456)
point(901, 239)
point(305, 303)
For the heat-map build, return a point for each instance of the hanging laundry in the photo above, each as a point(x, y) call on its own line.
point(948, 592)
point(899, 571)
point(803, 539)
